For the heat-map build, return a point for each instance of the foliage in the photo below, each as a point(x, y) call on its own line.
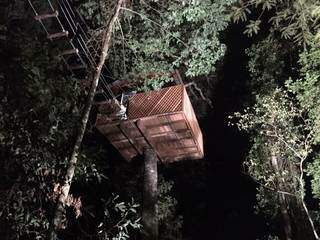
point(307, 87)
point(170, 224)
point(314, 171)
point(91, 166)
point(266, 65)
point(171, 35)
point(269, 237)
point(119, 218)
point(294, 20)
point(97, 13)
point(307, 90)
point(188, 37)
point(281, 144)
point(279, 127)
point(39, 109)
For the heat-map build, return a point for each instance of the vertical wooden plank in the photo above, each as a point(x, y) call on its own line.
point(132, 132)
point(192, 122)
point(141, 126)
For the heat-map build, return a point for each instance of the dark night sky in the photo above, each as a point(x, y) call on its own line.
point(224, 207)
point(231, 193)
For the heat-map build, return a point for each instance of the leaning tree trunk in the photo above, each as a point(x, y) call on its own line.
point(60, 207)
point(149, 212)
point(282, 198)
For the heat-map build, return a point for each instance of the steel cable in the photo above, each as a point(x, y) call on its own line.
point(69, 15)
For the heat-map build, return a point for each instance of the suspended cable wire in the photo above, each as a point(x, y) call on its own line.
point(80, 37)
point(36, 14)
point(71, 10)
point(67, 18)
point(50, 4)
point(57, 17)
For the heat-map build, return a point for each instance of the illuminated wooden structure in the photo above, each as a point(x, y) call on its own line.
point(163, 120)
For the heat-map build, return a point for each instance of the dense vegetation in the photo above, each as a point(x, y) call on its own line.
point(41, 106)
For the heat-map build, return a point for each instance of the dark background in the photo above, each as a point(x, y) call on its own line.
point(216, 197)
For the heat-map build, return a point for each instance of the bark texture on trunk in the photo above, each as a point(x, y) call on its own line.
point(149, 212)
point(60, 207)
point(282, 198)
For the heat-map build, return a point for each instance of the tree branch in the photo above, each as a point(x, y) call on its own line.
point(270, 188)
point(198, 89)
point(303, 202)
point(60, 206)
point(301, 182)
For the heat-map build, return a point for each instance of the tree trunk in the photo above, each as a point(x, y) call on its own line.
point(149, 212)
point(282, 198)
point(60, 207)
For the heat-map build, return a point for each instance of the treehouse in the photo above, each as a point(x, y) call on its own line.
point(163, 120)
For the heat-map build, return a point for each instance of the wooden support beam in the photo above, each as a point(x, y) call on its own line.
point(69, 52)
point(150, 196)
point(182, 121)
point(168, 142)
point(99, 91)
point(46, 16)
point(58, 35)
point(77, 67)
point(186, 154)
point(162, 134)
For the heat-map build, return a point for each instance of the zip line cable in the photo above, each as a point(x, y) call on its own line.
point(36, 14)
point(67, 18)
point(83, 44)
point(88, 54)
point(80, 38)
point(70, 8)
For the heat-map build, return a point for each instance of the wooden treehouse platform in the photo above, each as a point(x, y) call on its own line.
point(163, 120)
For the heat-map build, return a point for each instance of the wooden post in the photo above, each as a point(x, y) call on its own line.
point(149, 212)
